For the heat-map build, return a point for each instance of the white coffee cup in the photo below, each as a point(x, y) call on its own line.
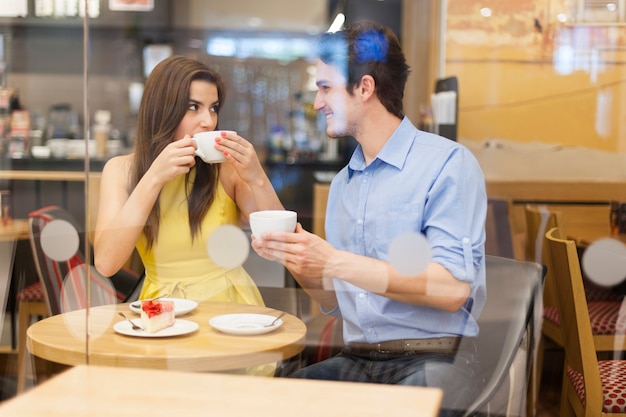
point(272, 221)
point(206, 145)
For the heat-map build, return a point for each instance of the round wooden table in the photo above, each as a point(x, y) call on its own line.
point(61, 339)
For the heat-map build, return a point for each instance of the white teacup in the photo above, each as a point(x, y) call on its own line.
point(206, 145)
point(272, 221)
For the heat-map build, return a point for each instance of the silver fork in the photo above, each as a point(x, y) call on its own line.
point(137, 304)
point(132, 323)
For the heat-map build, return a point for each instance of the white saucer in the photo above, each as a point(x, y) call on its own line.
point(180, 327)
point(181, 305)
point(245, 324)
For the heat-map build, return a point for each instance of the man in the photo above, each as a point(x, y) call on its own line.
point(399, 327)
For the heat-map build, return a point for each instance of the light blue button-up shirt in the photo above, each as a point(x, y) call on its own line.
point(423, 183)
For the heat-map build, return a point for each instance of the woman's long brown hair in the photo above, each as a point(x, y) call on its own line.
point(163, 105)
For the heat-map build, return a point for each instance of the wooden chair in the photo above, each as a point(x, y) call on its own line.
point(603, 305)
point(31, 303)
point(538, 220)
point(590, 387)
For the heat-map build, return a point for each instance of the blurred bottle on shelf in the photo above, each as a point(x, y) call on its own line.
point(277, 143)
point(19, 133)
point(102, 131)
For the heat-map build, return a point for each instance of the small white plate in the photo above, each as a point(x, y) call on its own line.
point(180, 327)
point(245, 324)
point(181, 306)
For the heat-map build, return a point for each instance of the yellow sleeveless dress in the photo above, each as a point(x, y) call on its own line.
point(182, 268)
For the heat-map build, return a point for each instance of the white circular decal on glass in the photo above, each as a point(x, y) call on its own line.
point(228, 246)
point(604, 262)
point(74, 295)
point(410, 253)
point(59, 240)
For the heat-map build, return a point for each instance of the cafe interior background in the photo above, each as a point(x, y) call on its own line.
point(540, 91)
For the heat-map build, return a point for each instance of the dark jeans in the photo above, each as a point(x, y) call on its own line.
point(457, 375)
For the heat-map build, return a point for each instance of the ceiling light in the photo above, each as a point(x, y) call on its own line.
point(337, 23)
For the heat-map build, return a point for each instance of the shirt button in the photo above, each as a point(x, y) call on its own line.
point(465, 240)
point(359, 221)
point(361, 296)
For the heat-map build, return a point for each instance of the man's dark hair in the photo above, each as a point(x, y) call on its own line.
point(368, 48)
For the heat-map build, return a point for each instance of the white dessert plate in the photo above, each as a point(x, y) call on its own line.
point(181, 306)
point(180, 327)
point(245, 324)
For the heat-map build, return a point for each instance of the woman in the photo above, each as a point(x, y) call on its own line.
point(166, 202)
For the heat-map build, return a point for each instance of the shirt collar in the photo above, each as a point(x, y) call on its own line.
point(394, 152)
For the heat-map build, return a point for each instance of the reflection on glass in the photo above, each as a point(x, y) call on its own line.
point(540, 105)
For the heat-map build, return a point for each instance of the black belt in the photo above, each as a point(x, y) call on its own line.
point(439, 344)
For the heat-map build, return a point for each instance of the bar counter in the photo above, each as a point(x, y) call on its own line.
point(45, 175)
point(51, 164)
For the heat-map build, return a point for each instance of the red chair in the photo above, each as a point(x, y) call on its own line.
point(603, 304)
point(63, 284)
point(591, 387)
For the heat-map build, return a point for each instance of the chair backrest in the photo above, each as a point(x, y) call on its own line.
point(580, 352)
point(540, 219)
point(507, 318)
point(63, 274)
point(499, 241)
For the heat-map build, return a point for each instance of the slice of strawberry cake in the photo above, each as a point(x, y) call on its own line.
point(157, 315)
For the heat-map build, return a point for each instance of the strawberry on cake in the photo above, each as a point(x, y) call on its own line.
point(157, 315)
